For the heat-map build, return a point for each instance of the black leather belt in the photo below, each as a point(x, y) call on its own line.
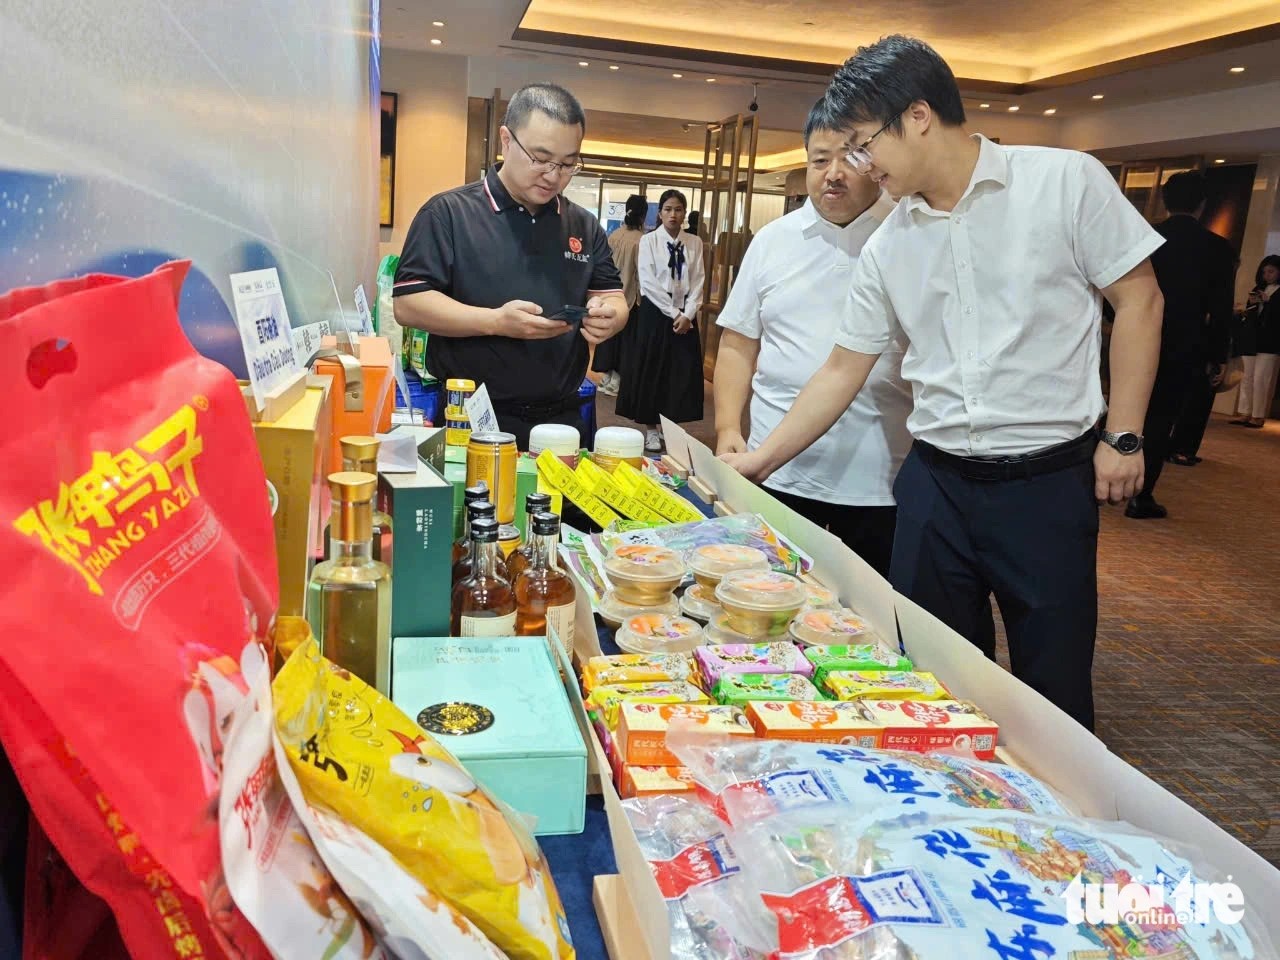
point(1024, 467)
point(533, 412)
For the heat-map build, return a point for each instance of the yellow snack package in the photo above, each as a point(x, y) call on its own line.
point(356, 755)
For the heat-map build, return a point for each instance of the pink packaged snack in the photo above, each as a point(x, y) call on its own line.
point(777, 657)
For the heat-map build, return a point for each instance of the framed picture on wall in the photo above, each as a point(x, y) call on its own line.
point(387, 171)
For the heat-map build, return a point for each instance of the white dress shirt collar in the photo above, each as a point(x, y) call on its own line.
point(873, 216)
point(992, 166)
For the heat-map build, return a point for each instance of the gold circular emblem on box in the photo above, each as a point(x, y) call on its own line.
point(455, 719)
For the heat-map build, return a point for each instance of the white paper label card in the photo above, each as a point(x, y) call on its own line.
point(480, 411)
point(362, 311)
point(306, 339)
point(263, 320)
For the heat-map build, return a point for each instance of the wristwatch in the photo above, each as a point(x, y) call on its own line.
point(1126, 443)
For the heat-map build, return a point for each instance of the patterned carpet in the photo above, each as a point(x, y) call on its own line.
point(1187, 673)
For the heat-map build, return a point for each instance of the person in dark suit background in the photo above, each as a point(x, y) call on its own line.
point(1196, 271)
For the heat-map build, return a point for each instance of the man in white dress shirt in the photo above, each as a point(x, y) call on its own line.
point(779, 325)
point(992, 268)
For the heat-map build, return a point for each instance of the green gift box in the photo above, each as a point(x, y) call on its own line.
point(498, 704)
point(420, 505)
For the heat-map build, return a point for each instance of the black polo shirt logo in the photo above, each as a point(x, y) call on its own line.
point(575, 251)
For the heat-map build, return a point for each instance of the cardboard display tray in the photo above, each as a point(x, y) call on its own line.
point(1034, 735)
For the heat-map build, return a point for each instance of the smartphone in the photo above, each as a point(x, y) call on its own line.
point(569, 314)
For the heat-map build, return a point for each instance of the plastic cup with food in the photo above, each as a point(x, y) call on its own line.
point(761, 603)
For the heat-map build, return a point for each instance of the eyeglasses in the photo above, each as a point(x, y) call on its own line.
point(549, 166)
point(860, 156)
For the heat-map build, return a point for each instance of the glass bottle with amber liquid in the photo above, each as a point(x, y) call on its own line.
point(360, 454)
point(462, 546)
point(483, 602)
point(478, 510)
point(534, 503)
point(545, 594)
point(349, 595)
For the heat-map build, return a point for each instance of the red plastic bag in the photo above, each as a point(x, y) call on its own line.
point(135, 514)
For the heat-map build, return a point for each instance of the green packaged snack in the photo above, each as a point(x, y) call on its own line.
point(861, 657)
point(739, 688)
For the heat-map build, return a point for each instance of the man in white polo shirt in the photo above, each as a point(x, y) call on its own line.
point(779, 325)
point(993, 268)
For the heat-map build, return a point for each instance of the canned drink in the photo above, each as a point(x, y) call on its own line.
point(458, 390)
point(458, 414)
point(457, 435)
point(491, 457)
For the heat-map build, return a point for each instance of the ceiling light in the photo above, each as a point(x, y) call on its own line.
point(1098, 96)
point(1015, 108)
point(677, 75)
point(1237, 69)
point(1051, 111)
point(437, 23)
point(985, 106)
point(436, 41)
point(613, 66)
point(711, 79)
point(1220, 161)
point(584, 63)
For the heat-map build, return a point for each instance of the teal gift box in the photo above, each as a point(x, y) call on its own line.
point(498, 704)
point(420, 505)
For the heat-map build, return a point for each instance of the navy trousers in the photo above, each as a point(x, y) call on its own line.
point(1031, 542)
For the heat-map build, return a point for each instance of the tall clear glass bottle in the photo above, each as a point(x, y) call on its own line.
point(483, 602)
point(478, 510)
point(349, 595)
point(545, 593)
point(462, 546)
point(360, 454)
point(534, 503)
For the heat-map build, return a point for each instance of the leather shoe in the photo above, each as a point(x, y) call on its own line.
point(1145, 508)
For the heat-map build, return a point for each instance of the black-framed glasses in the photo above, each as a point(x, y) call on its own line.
point(549, 166)
point(860, 156)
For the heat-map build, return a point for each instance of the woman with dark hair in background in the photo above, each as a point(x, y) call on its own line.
point(625, 244)
point(662, 362)
point(1262, 323)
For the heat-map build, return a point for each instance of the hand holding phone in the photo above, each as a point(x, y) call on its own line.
point(570, 314)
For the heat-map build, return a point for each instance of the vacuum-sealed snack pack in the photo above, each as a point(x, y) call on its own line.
point(697, 874)
point(136, 518)
point(983, 885)
point(746, 781)
point(274, 872)
point(356, 756)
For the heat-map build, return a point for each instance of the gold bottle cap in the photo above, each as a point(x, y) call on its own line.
point(351, 486)
point(360, 450)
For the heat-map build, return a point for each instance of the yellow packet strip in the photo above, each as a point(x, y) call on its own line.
point(561, 478)
point(652, 494)
point(602, 485)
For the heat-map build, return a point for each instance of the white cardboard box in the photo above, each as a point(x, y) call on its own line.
point(1034, 734)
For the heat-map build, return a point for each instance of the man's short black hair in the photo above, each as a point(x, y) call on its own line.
point(553, 100)
point(1184, 192)
point(877, 84)
point(820, 118)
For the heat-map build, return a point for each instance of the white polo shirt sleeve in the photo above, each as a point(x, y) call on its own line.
point(743, 310)
point(1110, 236)
point(870, 324)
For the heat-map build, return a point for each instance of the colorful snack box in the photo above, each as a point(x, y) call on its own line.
point(883, 685)
point(859, 657)
point(738, 688)
point(921, 726)
point(777, 657)
point(814, 722)
point(653, 781)
point(642, 729)
point(605, 702)
point(636, 668)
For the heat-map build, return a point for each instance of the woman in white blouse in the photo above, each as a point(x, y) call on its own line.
point(662, 366)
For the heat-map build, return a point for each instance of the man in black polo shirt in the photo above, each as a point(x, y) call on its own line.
point(486, 266)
